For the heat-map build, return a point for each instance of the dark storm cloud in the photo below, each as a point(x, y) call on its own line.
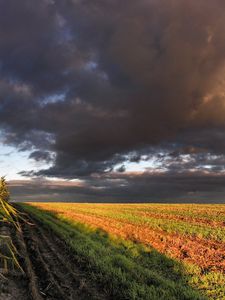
point(98, 83)
point(41, 155)
point(189, 188)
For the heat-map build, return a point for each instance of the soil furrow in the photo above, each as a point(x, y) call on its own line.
point(51, 272)
point(72, 276)
point(50, 259)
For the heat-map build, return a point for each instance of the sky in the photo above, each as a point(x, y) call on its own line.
point(116, 101)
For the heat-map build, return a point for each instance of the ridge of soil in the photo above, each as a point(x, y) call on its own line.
point(50, 271)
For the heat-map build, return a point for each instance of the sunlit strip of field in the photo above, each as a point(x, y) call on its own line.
point(193, 234)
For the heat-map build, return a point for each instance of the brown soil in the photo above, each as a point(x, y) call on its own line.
point(207, 254)
point(50, 270)
point(186, 219)
point(13, 287)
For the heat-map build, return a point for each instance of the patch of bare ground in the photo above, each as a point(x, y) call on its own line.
point(207, 254)
point(14, 286)
point(190, 220)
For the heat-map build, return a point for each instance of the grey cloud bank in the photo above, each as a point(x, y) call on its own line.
point(86, 86)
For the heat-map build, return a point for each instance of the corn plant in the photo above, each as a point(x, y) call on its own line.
point(8, 215)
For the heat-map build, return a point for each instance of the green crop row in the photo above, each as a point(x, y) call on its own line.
point(194, 211)
point(165, 224)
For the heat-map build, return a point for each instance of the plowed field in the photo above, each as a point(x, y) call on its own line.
point(191, 234)
point(117, 251)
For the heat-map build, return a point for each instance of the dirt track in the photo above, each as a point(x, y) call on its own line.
point(50, 270)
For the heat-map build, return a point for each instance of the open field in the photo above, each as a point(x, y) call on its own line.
point(144, 251)
point(121, 251)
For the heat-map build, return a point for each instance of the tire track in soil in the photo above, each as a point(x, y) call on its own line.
point(58, 276)
point(51, 271)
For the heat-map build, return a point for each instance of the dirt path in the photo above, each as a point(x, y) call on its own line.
point(50, 271)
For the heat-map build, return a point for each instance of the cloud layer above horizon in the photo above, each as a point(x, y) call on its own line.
point(90, 87)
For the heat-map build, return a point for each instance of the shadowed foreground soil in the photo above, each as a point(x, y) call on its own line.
point(50, 272)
